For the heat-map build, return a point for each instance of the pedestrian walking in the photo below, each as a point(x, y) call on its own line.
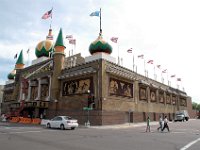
point(160, 123)
point(165, 124)
point(148, 124)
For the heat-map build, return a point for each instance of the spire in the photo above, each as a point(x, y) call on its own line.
point(59, 41)
point(20, 61)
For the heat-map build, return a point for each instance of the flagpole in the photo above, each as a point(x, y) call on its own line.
point(144, 69)
point(133, 63)
point(100, 21)
point(118, 54)
point(154, 72)
point(51, 17)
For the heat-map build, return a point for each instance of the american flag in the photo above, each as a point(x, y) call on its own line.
point(141, 56)
point(72, 41)
point(69, 36)
point(114, 39)
point(130, 50)
point(47, 14)
point(150, 62)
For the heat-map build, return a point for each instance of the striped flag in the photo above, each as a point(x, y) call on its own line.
point(69, 36)
point(47, 14)
point(164, 71)
point(130, 50)
point(178, 79)
point(158, 66)
point(114, 39)
point(72, 41)
point(141, 56)
point(172, 76)
point(150, 62)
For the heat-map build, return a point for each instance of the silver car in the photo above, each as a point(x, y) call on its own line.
point(62, 122)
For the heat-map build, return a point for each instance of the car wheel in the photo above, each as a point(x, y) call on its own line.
point(48, 125)
point(62, 127)
point(72, 128)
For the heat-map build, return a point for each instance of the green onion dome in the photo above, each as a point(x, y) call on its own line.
point(99, 45)
point(11, 75)
point(44, 48)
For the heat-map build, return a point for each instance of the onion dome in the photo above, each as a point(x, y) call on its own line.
point(11, 75)
point(99, 45)
point(43, 48)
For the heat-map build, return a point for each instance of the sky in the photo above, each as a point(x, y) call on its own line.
point(167, 32)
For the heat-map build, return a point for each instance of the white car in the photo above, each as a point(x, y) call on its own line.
point(62, 122)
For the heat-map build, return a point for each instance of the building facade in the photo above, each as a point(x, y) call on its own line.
point(93, 88)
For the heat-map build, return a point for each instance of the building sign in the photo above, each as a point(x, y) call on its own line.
point(79, 86)
point(120, 88)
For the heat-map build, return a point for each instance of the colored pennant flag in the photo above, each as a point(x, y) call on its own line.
point(158, 66)
point(150, 62)
point(15, 56)
point(47, 14)
point(172, 76)
point(69, 36)
point(96, 13)
point(114, 39)
point(141, 56)
point(130, 50)
point(164, 71)
point(72, 41)
point(178, 79)
point(28, 51)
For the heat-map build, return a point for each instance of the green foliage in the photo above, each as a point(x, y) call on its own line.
point(195, 106)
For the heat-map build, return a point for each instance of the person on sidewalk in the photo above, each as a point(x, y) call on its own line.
point(148, 124)
point(160, 123)
point(165, 124)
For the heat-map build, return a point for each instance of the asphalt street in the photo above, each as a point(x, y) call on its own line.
point(183, 136)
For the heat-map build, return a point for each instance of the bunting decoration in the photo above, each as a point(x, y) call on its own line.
point(72, 41)
point(150, 62)
point(141, 56)
point(172, 76)
point(69, 36)
point(130, 50)
point(164, 71)
point(114, 39)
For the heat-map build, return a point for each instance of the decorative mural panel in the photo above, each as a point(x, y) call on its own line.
point(143, 93)
point(168, 99)
point(183, 102)
point(153, 95)
point(120, 88)
point(79, 86)
point(161, 97)
point(174, 100)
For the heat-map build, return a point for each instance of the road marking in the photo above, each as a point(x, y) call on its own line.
point(190, 144)
point(20, 132)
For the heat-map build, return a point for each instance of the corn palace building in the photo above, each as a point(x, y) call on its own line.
point(93, 88)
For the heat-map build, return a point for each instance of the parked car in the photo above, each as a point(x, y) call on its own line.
point(62, 122)
point(181, 115)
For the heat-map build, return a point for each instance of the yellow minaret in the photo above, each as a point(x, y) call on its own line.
point(58, 63)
